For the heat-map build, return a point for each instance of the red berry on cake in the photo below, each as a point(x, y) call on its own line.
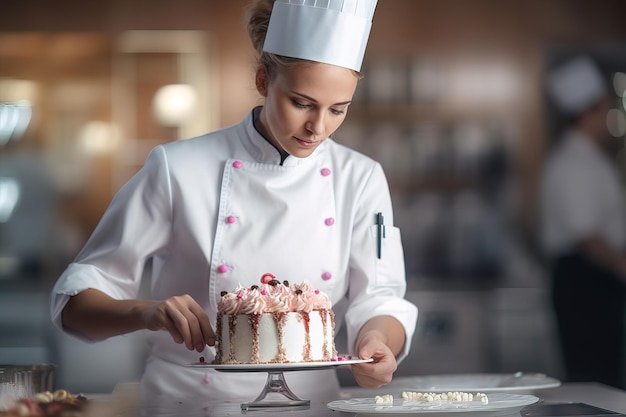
point(266, 278)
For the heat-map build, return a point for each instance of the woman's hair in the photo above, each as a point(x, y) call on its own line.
point(257, 20)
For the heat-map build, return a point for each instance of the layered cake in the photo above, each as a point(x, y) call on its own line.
point(274, 322)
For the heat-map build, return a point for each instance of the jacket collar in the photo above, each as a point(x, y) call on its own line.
point(263, 151)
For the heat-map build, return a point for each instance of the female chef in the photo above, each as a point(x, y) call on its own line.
point(270, 194)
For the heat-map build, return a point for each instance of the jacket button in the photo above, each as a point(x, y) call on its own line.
point(222, 269)
point(231, 219)
point(237, 164)
point(326, 276)
point(325, 172)
point(329, 221)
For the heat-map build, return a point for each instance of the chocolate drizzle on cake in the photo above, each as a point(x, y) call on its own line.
point(218, 343)
point(325, 315)
point(254, 320)
point(232, 325)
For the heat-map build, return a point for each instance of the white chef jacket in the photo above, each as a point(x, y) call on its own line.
point(220, 210)
point(581, 194)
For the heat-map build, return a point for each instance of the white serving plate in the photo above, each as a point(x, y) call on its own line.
point(516, 383)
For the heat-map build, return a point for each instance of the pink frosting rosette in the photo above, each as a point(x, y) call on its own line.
point(298, 302)
point(252, 302)
point(320, 300)
point(229, 304)
point(276, 301)
point(300, 297)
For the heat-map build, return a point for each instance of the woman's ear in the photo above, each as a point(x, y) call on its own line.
point(262, 80)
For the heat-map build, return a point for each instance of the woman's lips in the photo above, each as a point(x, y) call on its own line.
point(307, 143)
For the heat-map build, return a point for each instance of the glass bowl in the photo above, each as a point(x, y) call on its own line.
point(19, 381)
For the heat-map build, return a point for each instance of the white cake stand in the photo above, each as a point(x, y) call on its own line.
point(276, 383)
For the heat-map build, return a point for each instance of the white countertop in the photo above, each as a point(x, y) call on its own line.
point(125, 405)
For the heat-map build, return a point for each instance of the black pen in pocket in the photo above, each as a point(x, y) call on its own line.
point(380, 234)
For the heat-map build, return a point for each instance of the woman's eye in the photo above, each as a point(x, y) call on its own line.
point(299, 105)
point(337, 112)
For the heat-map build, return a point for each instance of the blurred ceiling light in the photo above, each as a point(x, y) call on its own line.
point(619, 83)
point(14, 119)
point(97, 137)
point(174, 104)
point(9, 196)
point(616, 122)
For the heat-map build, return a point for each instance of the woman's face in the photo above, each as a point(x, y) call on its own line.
point(304, 105)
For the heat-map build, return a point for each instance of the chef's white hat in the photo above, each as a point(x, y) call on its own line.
point(576, 86)
point(329, 31)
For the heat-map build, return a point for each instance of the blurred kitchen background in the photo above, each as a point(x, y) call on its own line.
point(451, 104)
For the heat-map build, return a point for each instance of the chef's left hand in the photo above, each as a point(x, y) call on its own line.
point(379, 372)
point(382, 339)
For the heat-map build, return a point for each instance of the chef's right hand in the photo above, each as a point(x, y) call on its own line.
point(184, 319)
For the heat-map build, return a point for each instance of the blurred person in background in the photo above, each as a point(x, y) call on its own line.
point(583, 228)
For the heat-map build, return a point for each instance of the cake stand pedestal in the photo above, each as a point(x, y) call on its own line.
point(276, 384)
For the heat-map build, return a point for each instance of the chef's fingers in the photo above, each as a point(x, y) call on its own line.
point(209, 334)
point(375, 374)
point(204, 327)
point(157, 317)
point(180, 309)
point(180, 326)
point(379, 372)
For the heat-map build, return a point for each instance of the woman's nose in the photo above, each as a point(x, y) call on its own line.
point(315, 124)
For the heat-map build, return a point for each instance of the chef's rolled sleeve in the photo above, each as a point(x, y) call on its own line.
point(78, 277)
